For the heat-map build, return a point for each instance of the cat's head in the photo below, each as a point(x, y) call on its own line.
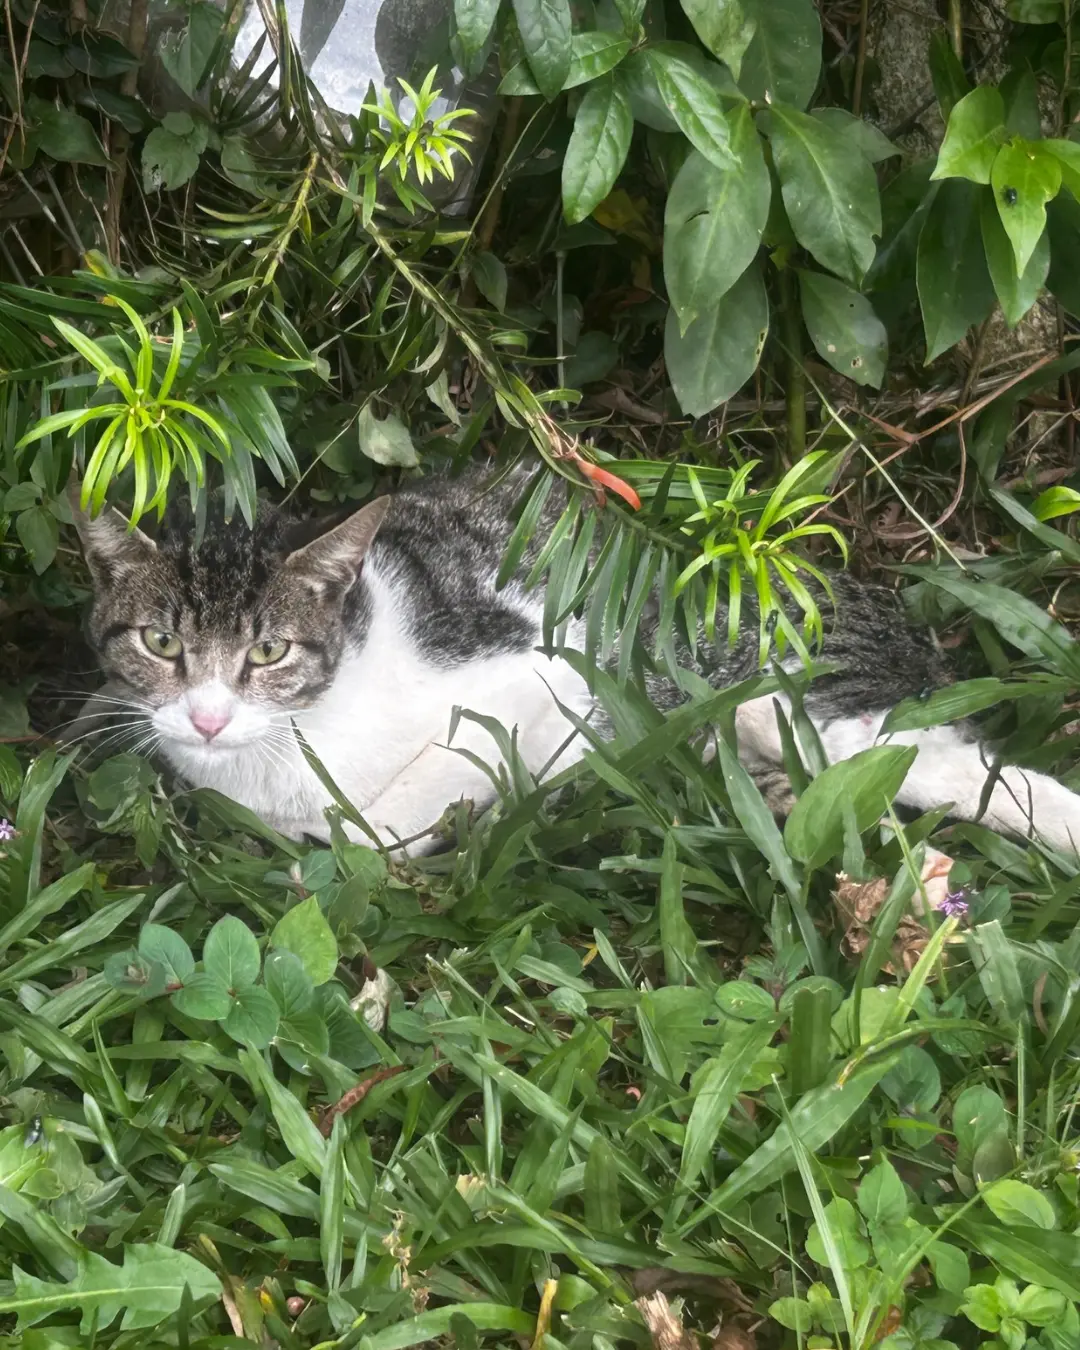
point(218, 643)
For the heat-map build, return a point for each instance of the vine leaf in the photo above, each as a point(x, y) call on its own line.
point(1024, 178)
point(844, 329)
point(598, 148)
point(973, 136)
point(1016, 294)
point(831, 195)
point(714, 221)
point(718, 353)
point(955, 290)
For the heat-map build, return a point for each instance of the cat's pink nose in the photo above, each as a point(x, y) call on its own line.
point(208, 724)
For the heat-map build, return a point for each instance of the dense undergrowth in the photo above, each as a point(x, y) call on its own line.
point(627, 1064)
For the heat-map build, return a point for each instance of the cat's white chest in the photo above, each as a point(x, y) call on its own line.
point(382, 730)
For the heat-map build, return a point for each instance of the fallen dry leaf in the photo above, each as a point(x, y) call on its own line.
point(666, 1329)
point(858, 903)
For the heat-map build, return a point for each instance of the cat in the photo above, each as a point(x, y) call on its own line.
point(371, 632)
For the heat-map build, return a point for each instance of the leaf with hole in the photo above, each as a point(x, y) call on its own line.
point(830, 194)
point(387, 440)
point(694, 104)
point(844, 329)
point(719, 352)
point(598, 147)
point(714, 220)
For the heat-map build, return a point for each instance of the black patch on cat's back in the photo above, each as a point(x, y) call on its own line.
point(440, 547)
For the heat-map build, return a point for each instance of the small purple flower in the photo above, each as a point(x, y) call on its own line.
point(7, 830)
point(955, 905)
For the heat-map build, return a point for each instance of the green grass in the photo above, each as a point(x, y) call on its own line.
point(628, 1052)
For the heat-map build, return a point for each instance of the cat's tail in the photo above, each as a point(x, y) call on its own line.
point(1022, 803)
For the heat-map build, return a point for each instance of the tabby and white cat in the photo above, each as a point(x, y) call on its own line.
point(370, 634)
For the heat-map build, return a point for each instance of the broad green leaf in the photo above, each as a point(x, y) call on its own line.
point(386, 441)
point(718, 353)
point(591, 55)
point(881, 1196)
point(844, 329)
point(865, 785)
point(1016, 1203)
point(831, 195)
point(231, 953)
point(545, 28)
point(168, 161)
point(490, 277)
point(1016, 294)
point(1034, 11)
point(726, 27)
point(816, 1118)
point(148, 1287)
point(810, 1040)
point(973, 137)
point(793, 1313)
point(288, 983)
point(1024, 178)
point(253, 1017)
point(1040, 1307)
point(950, 1266)
point(1054, 502)
point(1067, 154)
point(187, 60)
point(303, 930)
point(955, 290)
point(848, 1241)
point(168, 949)
point(597, 150)
point(782, 62)
point(638, 75)
point(204, 996)
point(978, 1114)
point(474, 20)
point(870, 142)
point(713, 222)
point(714, 1089)
point(694, 104)
point(39, 535)
point(66, 136)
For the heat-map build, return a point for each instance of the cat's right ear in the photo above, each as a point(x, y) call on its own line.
point(335, 558)
point(109, 546)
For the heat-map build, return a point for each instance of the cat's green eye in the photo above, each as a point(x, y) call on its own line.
point(167, 645)
point(267, 653)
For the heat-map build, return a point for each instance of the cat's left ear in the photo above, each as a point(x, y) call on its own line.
point(109, 544)
point(336, 556)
